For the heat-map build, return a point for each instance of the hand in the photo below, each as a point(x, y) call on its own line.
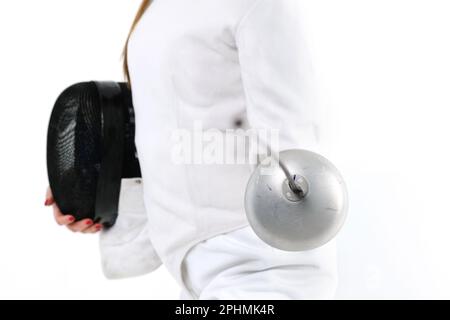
point(83, 226)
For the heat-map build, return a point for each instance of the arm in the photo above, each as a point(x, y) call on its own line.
point(278, 83)
point(126, 249)
point(277, 73)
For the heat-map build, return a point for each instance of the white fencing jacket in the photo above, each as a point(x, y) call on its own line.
point(228, 64)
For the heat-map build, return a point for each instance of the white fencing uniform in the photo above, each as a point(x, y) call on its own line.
point(224, 64)
point(238, 265)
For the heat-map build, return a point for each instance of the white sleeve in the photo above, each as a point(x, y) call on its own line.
point(277, 74)
point(280, 94)
point(125, 248)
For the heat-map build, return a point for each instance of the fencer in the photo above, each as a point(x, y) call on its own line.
point(229, 64)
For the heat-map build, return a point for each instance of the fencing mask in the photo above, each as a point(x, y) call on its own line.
point(90, 148)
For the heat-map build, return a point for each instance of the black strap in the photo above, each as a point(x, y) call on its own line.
point(110, 175)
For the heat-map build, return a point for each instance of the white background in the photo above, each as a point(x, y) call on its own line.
point(383, 72)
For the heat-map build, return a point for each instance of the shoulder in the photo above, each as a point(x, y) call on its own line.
point(272, 7)
point(244, 12)
point(270, 16)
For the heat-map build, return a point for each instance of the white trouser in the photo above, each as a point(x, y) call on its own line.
point(234, 265)
point(238, 265)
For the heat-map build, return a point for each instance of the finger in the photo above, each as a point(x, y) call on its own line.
point(49, 200)
point(93, 229)
point(80, 226)
point(61, 219)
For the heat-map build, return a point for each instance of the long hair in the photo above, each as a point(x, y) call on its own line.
point(144, 6)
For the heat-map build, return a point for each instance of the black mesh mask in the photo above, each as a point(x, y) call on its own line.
point(90, 148)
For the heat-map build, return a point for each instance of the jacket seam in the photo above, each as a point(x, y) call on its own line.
point(245, 17)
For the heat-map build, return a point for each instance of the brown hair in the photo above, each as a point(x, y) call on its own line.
point(144, 6)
